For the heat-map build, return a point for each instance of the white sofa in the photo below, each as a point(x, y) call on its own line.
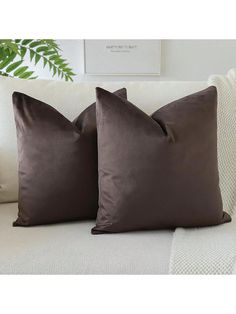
point(70, 248)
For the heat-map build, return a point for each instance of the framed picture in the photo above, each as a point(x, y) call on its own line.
point(122, 57)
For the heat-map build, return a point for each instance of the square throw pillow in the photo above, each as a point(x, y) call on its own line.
point(160, 171)
point(58, 175)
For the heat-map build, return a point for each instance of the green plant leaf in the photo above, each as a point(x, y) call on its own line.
point(32, 54)
point(52, 44)
point(13, 66)
point(37, 58)
point(35, 44)
point(59, 61)
point(41, 49)
point(54, 71)
point(50, 52)
point(7, 60)
point(64, 65)
point(54, 57)
point(26, 75)
point(45, 61)
point(25, 42)
point(9, 45)
point(23, 52)
point(20, 70)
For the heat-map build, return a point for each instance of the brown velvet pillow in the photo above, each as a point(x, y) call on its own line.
point(58, 176)
point(161, 171)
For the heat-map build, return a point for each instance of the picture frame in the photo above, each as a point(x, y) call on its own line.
point(122, 57)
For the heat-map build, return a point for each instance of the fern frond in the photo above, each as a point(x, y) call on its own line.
point(47, 50)
point(13, 52)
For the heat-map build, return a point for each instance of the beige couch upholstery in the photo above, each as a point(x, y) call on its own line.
point(70, 248)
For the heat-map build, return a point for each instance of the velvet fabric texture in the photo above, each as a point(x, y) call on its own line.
point(58, 175)
point(160, 171)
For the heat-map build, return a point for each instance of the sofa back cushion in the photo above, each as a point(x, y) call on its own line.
point(70, 99)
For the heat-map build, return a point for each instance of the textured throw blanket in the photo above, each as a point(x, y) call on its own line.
point(212, 250)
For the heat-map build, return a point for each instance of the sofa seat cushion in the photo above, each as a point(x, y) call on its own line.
point(69, 248)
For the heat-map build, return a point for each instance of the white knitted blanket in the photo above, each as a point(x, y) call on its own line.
point(212, 250)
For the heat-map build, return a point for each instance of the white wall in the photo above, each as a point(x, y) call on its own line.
point(181, 60)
